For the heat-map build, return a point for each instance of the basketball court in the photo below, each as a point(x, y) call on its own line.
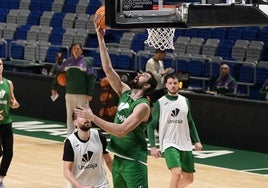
point(38, 149)
point(38, 145)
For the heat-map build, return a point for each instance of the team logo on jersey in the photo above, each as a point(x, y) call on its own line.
point(2, 93)
point(85, 161)
point(123, 106)
point(175, 112)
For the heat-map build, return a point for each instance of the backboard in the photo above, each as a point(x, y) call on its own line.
point(128, 14)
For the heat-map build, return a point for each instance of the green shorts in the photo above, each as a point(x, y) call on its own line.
point(183, 159)
point(129, 174)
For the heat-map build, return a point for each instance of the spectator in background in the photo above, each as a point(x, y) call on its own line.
point(155, 65)
point(83, 156)
point(54, 72)
point(58, 61)
point(225, 84)
point(80, 82)
point(7, 101)
point(264, 91)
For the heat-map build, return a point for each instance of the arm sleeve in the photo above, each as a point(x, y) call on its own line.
point(103, 142)
point(193, 130)
point(68, 152)
point(153, 124)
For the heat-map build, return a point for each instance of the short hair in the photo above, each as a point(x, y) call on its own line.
point(74, 115)
point(159, 51)
point(171, 75)
point(77, 44)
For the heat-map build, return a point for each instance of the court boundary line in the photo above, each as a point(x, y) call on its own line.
point(228, 169)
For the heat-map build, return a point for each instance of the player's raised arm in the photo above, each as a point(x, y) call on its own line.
point(114, 79)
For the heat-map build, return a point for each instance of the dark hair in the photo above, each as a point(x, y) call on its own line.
point(74, 115)
point(59, 54)
point(159, 51)
point(75, 44)
point(152, 81)
point(171, 75)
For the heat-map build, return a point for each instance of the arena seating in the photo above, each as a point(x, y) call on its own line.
point(66, 21)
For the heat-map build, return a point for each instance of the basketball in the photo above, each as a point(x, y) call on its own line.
point(99, 17)
point(61, 79)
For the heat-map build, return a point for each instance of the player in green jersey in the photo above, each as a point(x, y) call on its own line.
point(127, 142)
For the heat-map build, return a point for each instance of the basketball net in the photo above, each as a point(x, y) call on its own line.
point(160, 38)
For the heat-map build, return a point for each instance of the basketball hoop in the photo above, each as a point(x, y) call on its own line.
point(160, 38)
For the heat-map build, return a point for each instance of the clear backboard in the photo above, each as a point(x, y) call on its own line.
point(127, 14)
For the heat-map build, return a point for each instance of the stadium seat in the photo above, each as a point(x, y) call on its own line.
point(68, 37)
point(13, 4)
point(254, 51)
point(81, 36)
point(10, 31)
point(44, 34)
point(56, 20)
point(194, 47)
point(182, 65)
point(3, 14)
point(235, 33)
point(12, 16)
point(81, 21)
point(225, 49)
point(34, 17)
point(17, 49)
point(219, 33)
point(56, 35)
point(68, 20)
point(81, 7)
point(195, 67)
point(22, 17)
point(24, 4)
point(30, 51)
point(250, 33)
point(138, 42)
point(239, 50)
point(246, 74)
point(2, 29)
point(210, 47)
point(181, 44)
point(46, 18)
point(33, 33)
point(57, 5)
point(22, 31)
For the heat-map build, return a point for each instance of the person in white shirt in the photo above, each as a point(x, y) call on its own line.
point(176, 132)
point(83, 155)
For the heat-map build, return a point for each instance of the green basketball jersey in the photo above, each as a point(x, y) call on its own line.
point(4, 101)
point(133, 145)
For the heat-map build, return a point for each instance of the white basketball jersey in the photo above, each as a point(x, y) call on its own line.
point(88, 166)
point(173, 124)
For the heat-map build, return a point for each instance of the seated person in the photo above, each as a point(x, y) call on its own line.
point(225, 84)
point(264, 91)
